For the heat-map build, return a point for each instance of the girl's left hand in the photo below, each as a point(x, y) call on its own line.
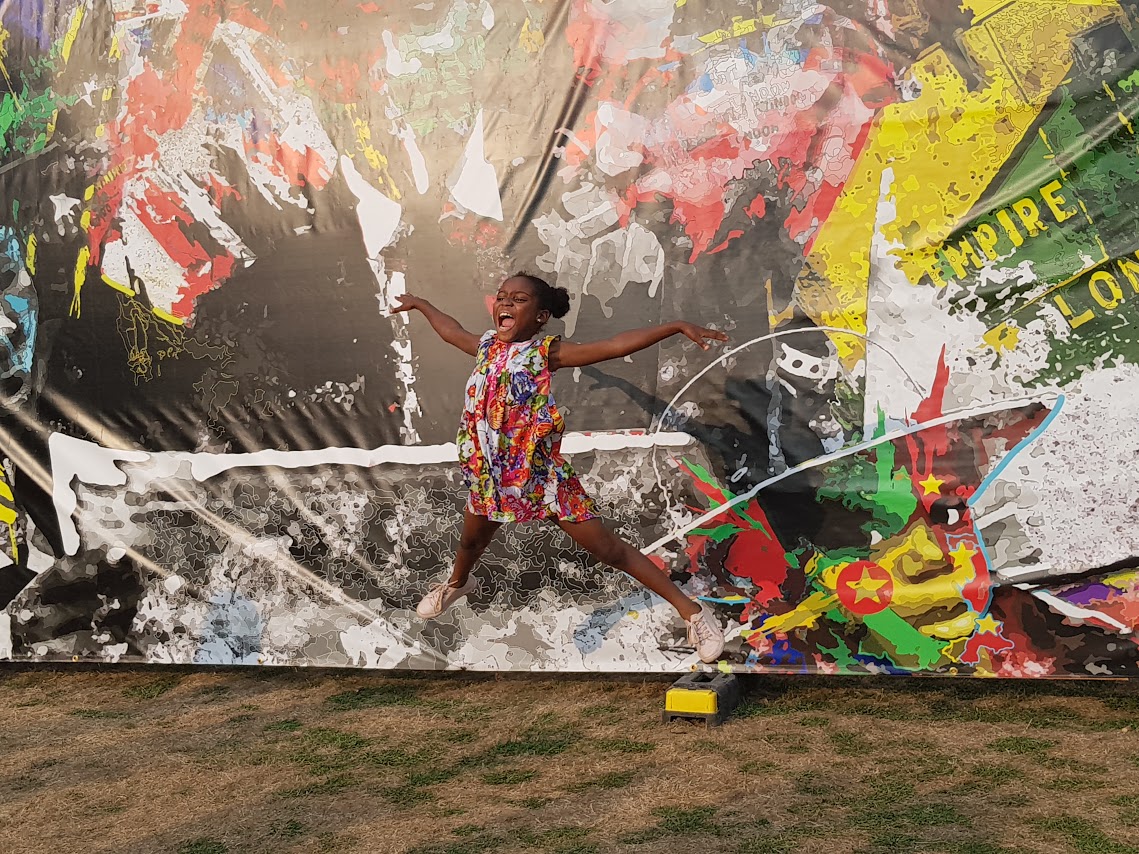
point(701, 335)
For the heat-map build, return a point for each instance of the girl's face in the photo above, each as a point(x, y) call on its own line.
point(517, 313)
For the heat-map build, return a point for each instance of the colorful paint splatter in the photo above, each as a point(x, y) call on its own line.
point(914, 218)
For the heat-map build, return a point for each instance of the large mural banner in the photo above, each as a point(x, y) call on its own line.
point(915, 220)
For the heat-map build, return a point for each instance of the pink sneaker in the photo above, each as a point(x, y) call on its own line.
point(705, 633)
point(441, 597)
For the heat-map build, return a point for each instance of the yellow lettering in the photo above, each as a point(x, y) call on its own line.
point(986, 238)
point(1051, 194)
point(1073, 322)
point(1131, 271)
point(957, 257)
point(1108, 302)
point(933, 268)
point(1029, 216)
point(1006, 223)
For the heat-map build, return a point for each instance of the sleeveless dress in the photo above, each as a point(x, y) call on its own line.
point(510, 437)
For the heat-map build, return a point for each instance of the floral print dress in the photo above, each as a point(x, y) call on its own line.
point(510, 437)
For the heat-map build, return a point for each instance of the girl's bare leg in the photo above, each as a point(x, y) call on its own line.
point(478, 531)
point(610, 549)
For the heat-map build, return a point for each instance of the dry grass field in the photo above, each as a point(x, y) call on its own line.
point(150, 760)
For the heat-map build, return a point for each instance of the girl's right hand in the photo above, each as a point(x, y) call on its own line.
point(407, 302)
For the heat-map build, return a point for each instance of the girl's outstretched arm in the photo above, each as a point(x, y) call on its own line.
point(449, 329)
point(566, 354)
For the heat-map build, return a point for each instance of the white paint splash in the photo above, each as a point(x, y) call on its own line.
point(379, 219)
point(473, 184)
point(631, 30)
point(395, 65)
point(78, 461)
point(379, 216)
point(418, 163)
point(5, 636)
point(621, 140)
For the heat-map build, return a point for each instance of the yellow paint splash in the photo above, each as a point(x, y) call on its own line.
point(8, 514)
point(531, 38)
point(4, 36)
point(944, 148)
point(372, 155)
point(1002, 337)
point(73, 31)
point(81, 264)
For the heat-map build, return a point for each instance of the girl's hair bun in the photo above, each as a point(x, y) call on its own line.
point(554, 300)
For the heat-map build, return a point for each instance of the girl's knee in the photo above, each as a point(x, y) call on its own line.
point(475, 542)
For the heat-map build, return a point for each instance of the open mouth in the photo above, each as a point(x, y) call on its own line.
point(505, 321)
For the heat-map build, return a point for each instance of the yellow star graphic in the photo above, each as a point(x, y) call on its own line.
point(932, 485)
point(962, 555)
point(868, 586)
point(987, 625)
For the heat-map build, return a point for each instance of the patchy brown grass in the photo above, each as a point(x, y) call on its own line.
point(220, 762)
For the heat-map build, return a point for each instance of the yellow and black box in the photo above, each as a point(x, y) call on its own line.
point(709, 697)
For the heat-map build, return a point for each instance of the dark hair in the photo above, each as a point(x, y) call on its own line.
point(554, 300)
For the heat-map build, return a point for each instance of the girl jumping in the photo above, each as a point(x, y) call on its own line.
point(510, 442)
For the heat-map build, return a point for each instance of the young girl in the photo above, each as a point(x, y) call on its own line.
point(510, 442)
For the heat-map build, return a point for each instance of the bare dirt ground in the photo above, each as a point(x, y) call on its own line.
point(147, 760)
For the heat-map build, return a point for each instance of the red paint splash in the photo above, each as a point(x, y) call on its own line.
point(811, 146)
point(158, 100)
point(758, 556)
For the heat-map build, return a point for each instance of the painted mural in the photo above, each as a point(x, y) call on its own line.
point(916, 221)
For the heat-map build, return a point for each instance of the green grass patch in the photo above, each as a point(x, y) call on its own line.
point(1074, 784)
point(432, 776)
point(1084, 836)
point(204, 845)
point(282, 726)
point(815, 785)
point(535, 741)
point(479, 844)
point(459, 711)
point(932, 815)
point(694, 821)
point(291, 829)
point(1022, 745)
point(395, 757)
point(996, 775)
point(327, 737)
point(509, 778)
point(613, 780)
point(850, 743)
point(375, 696)
point(532, 803)
point(213, 693)
point(151, 690)
point(554, 839)
point(331, 786)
